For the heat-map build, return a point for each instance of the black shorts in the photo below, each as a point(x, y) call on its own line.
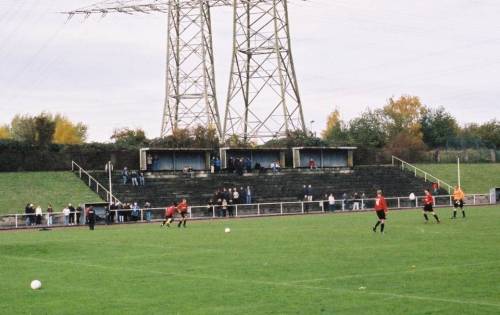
point(183, 214)
point(458, 203)
point(381, 214)
point(428, 208)
point(169, 217)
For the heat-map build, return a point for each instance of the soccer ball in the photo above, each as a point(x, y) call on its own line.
point(36, 284)
point(227, 230)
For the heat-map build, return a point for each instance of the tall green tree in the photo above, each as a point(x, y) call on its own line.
point(368, 130)
point(438, 127)
point(129, 137)
point(45, 127)
point(22, 128)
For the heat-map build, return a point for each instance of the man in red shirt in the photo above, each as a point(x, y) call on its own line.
point(428, 206)
point(169, 215)
point(182, 208)
point(381, 210)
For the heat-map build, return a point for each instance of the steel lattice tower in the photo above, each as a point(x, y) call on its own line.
point(263, 97)
point(190, 98)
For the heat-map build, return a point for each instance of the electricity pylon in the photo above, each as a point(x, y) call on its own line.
point(263, 99)
point(190, 98)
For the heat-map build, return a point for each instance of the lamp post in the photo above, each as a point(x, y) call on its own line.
point(311, 129)
point(110, 171)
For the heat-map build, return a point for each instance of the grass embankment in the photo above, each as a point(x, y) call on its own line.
point(475, 178)
point(41, 188)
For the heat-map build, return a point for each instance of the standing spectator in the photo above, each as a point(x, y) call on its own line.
point(112, 212)
point(304, 192)
point(344, 201)
point(363, 198)
point(79, 211)
point(435, 188)
point(309, 193)
point(331, 203)
point(149, 213)
point(236, 196)
point(134, 178)
point(248, 195)
point(356, 201)
point(38, 213)
point(91, 217)
point(136, 211)
point(71, 214)
point(248, 165)
point(224, 208)
point(312, 164)
point(149, 162)
point(142, 180)
point(230, 165)
point(120, 211)
point(217, 165)
point(50, 210)
point(27, 211)
point(66, 213)
point(125, 175)
point(212, 165)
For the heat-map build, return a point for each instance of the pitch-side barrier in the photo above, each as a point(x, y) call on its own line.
point(122, 216)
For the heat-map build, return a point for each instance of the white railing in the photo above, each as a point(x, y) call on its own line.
point(419, 172)
point(13, 221)
point(91, 180)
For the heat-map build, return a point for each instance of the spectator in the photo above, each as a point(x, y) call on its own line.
point(149, 213)
point(248, 165)
point(224, 208)
point(38, 213)
point(275, 167)
point(309, 193)
point(136, 212)
point(66, 213)
point(142, 180)
point(312, 164)
point(212, 165)
point(91, 217)
point(134, 178)
point(79, 211)
point(71, 214)
point(236, 196)
point(112, 212)
point(50, 210)
point(356, 201)
point(28, 212)
point(331, 202)
point(230, 165)
point(217, 165)
point(125, 175)
point(344, 201)
point(363, 198)
point(248, 195)
point(149, 162)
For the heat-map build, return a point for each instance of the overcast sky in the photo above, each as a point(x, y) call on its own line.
point(349, 55)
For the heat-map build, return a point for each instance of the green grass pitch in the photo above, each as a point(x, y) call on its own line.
point(316, 264)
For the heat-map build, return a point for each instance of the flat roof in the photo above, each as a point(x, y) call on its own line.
point(254, 149)
point(327, 148)
point(178, 149)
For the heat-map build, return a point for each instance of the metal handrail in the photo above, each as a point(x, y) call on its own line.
point(427, 175)
point(109, 196)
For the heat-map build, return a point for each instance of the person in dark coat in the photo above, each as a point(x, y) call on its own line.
point(91, 217)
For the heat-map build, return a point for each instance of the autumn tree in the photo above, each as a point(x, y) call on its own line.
point(67, 132)
point(4, 132)
point(336, 131)
point(404, 115)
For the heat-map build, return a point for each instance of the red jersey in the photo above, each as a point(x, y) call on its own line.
point(380, 204)
point(170, 211)
point(182, 207)
point(428, 200)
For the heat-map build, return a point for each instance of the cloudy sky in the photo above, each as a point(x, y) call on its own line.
point(349, 55)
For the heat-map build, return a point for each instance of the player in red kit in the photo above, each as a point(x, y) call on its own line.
point(428, 206)
point(381, 210)
point(182, 208)
point(169, 215)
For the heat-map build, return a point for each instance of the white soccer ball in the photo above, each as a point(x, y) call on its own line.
point(36, 284)
point(227, 230)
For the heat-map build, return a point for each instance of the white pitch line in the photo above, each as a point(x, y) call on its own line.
point(282, 284)
point(393, 272)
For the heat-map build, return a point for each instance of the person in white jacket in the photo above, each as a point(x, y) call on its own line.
point(38, 213)
point(66, 212)
point(331, 203)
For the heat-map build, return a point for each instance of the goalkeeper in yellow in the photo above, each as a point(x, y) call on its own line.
point(458, 202)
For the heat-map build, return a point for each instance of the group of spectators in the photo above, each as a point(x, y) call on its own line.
point(34, 215)
point(126, 212)
point(242, 165)
point(347, 202)
point(136, 178)
point(224, 199)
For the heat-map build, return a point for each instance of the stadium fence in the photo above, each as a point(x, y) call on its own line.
point(120, 216)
